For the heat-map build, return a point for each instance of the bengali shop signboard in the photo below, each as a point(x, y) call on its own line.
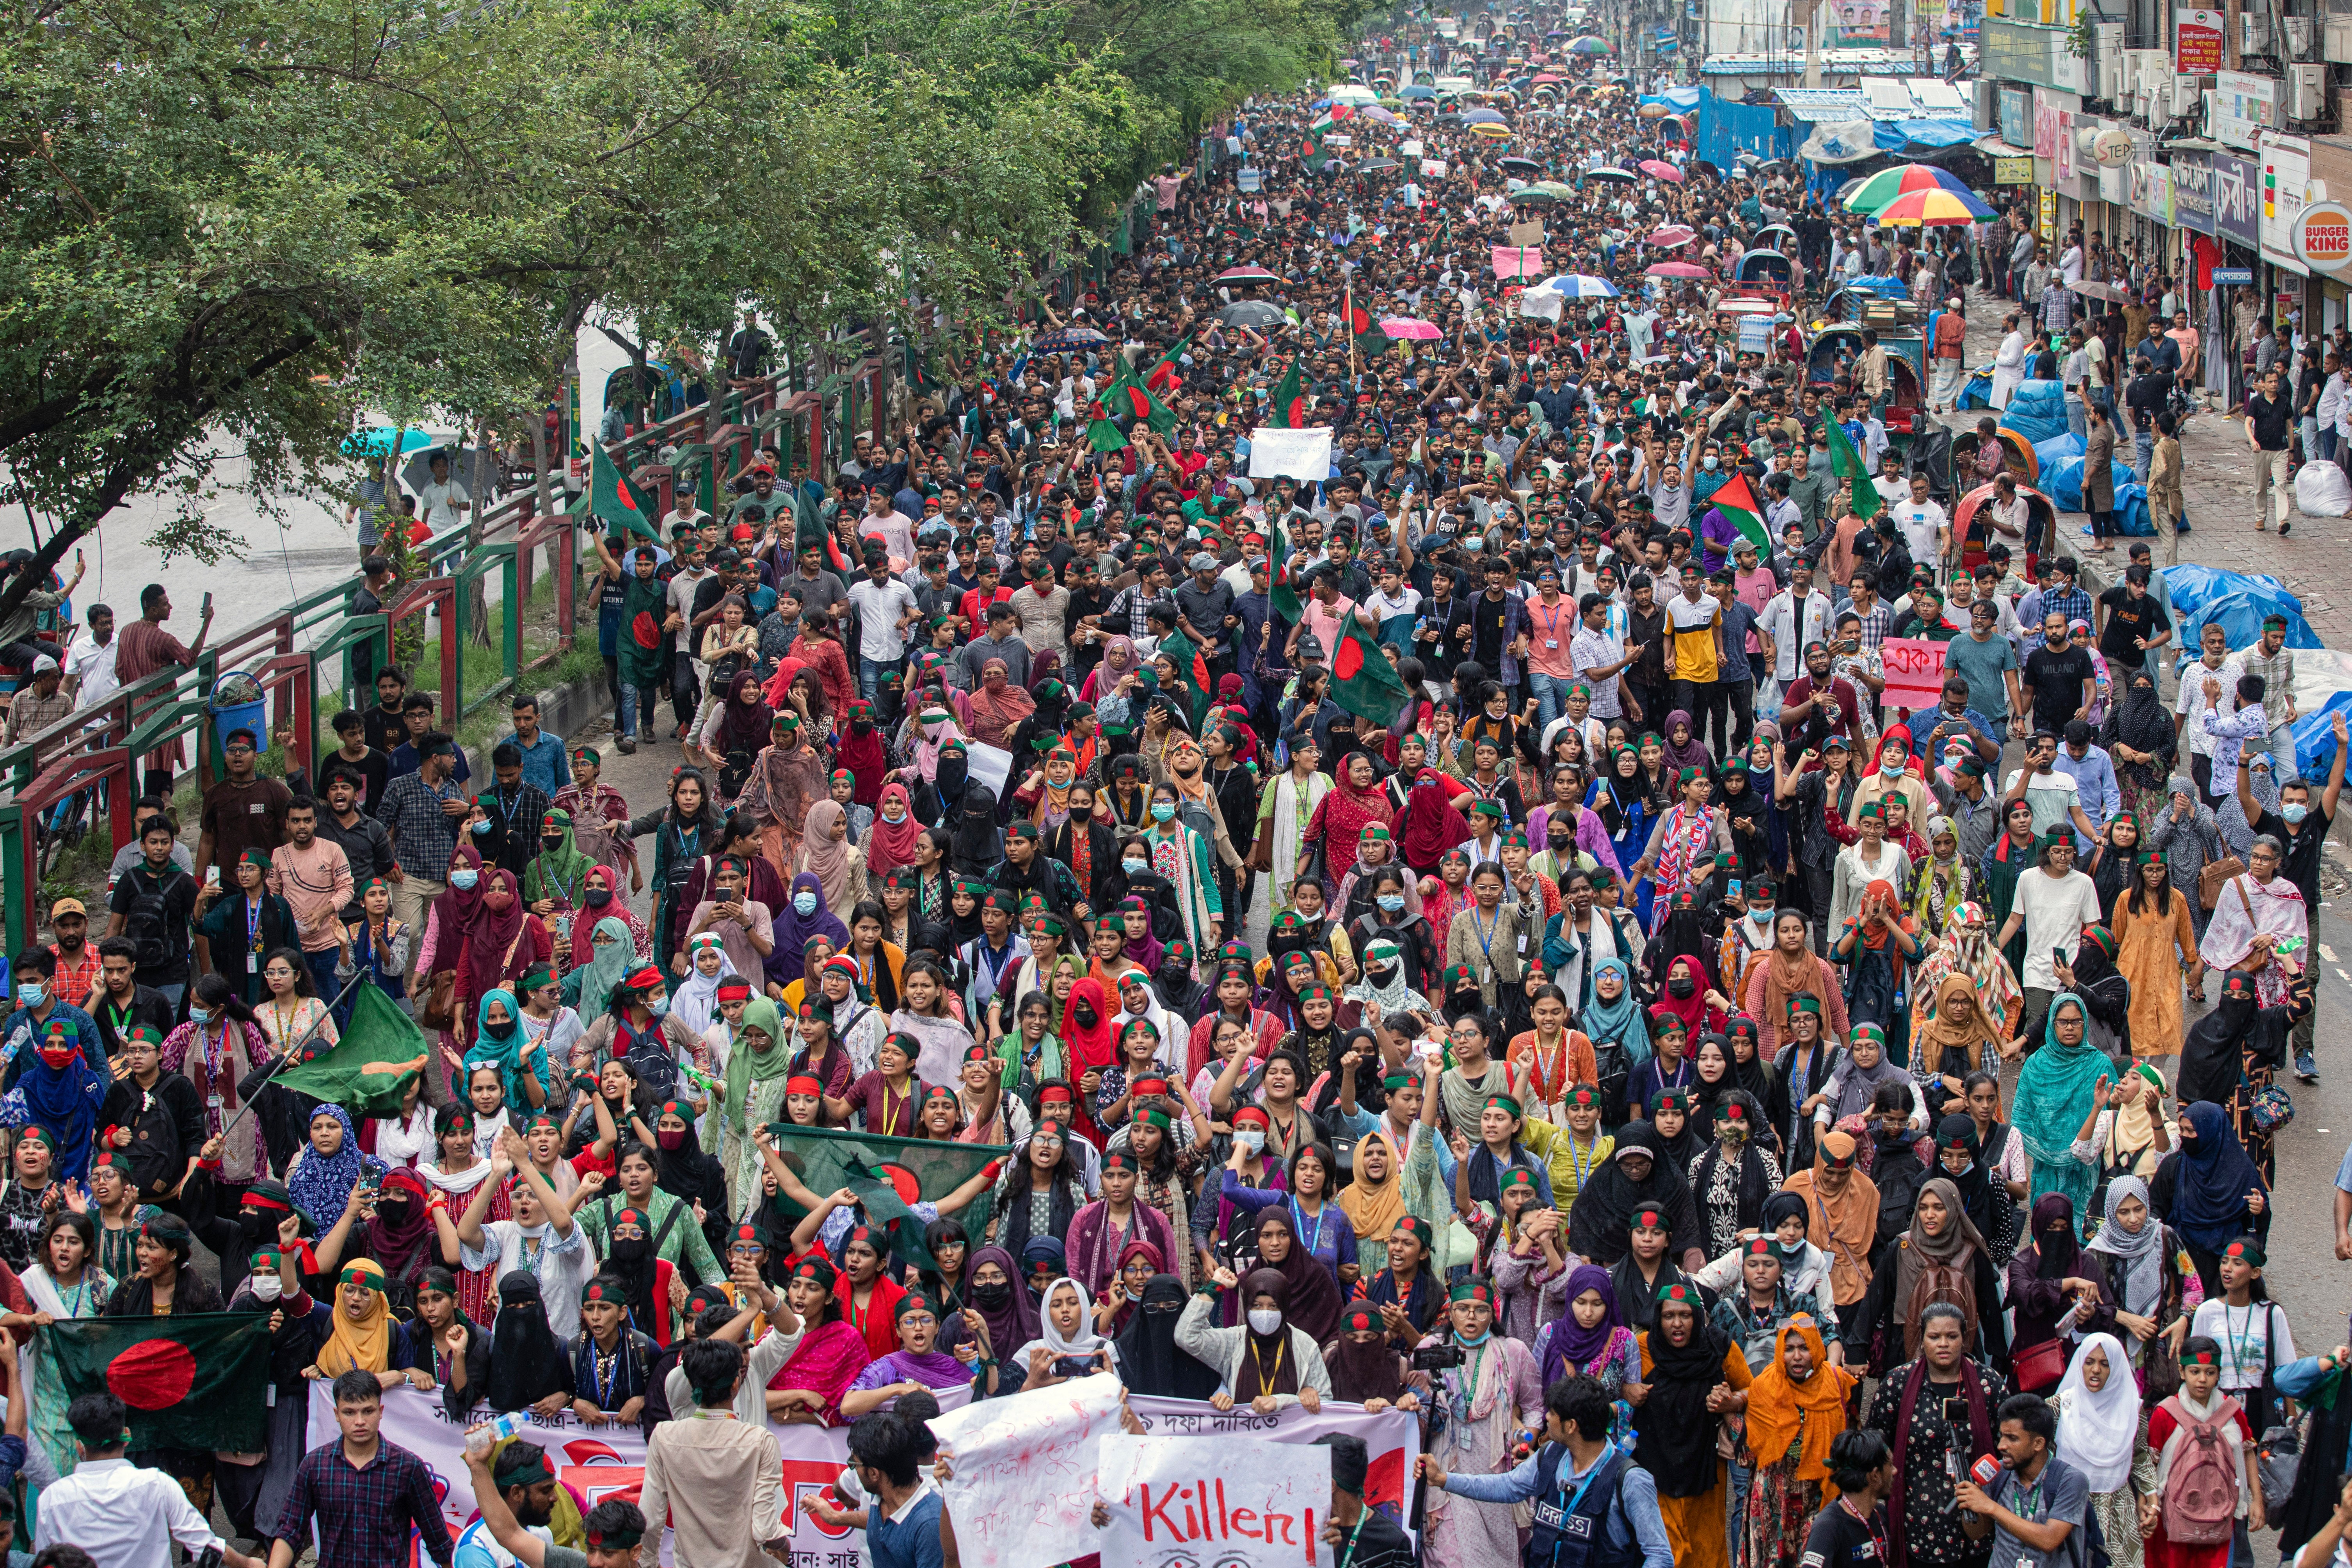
point(2197, 42)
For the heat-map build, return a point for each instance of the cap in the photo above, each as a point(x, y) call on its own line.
point(68, 907)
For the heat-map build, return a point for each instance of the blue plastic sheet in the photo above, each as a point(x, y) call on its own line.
point(2314, 737)
point(2189, 588)
point(1978, 393)
point(2049, 453)
point(2240, 615)
point(2131, 512)
point(2064, 483)
point(2037, 411)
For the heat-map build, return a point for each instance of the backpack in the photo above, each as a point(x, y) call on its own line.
point(146, 923)
point(2201, 1495)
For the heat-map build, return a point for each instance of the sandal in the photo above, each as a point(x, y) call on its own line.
point(2285, 528)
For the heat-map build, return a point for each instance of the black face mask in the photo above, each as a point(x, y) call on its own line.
point(252, 1222)
point(597, 897)
point(1081, 812)
point(1558, 846)
point(1085, 1014)
point(993, 1295)
point(861, 726)
point(1681, 987)
point(550, 842)
point(634, 1250)
point(500, 1031)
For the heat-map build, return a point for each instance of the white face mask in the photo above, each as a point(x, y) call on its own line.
point(1263, 1320)
point(267, 1286)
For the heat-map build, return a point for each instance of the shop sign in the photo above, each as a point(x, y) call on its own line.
point(2012, 171)
point(2197, 42)
point(2232, 277)
point(2320, 236)
point(2237, 211)
point(2192, 192)
point(2243, 107)
point(2286, 171)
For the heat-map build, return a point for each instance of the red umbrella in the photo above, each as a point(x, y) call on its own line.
point(1663, 170)
point(1676, 270)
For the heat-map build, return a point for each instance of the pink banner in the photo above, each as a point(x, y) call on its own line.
point(1914, 672)
point(1517, 260)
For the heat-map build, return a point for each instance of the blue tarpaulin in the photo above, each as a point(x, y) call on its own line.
point(2037, 411)
point(2314, 738)
point(2241, 615)
point(1894, 135)
point(1682, 99)
point(2189, 588)
point(1727, 129)
point(2064, 483)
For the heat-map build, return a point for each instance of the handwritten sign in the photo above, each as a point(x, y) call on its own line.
point(1023, 1490)
point(1914, 672)
point(1239, 1503)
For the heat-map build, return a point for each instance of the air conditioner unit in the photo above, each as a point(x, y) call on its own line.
point(2190, 93)
point(2253, 34)
point(2336, 40)
point(2306, 91)
point(2205, 126)
point(2298, 35)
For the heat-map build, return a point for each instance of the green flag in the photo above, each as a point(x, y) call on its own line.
point(191, 1381)
point(1283, 593)
point(1362, 680)
point(1101, 433)
point(609, 499)
point(1129, 395)
point(1163, 375)
point(888, 1174)
point(1288, 409)
point(1737, 502)
point(381, 1049)
point(1847, 464)
point(1193, 670)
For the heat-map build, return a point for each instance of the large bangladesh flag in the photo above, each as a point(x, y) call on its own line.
point(1737, 502)
point(1362, 680)
point(1288, 409)
point(1847, 464)
point(368, 1070)
point(191, 1382)
point(888, 1174)
point(609, 499)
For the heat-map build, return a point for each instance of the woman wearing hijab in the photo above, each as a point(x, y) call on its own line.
point(2228, 1055)
point(1266, 1361)
point(1374, 1201)
point(556, 880)
point(2138, 735)
point(528, 1370)
point(1841, 1215)
point(2210, 1191)
point(1313, 1300)
point(979, 846)
point(1067, 1344)
point(688, 1174)
point(1355, 803)
point(891, 844)
point(826, 853)
point(1967, 951)
point(1620, 798)
point(1590, 1342)
point(1748, 813)
point(1684, 1360)
point(1942, 1256)
point(2052, 1312)
point(1732, 1177)
point(803, 919)
point(2047, 1110)
point(1796, 1406)
point(1637, 1176)
point(998, 706)
point(1151, 1362)
point(2138, 1256)
point(1365, 1365)
point(503, 942)
point(1429, 825)
point(738, 734)
point(1682, 747)
point(1951, 1036)
point(994, 1289)
point(1489, 1396)
point(787, 778)
point(327, 1168)
point(2099, 1431)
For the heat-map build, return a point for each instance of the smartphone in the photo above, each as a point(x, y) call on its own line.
point(1731, 888)
point(2058, 957)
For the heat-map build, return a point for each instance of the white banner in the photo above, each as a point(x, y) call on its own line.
point(1240, 1503)
point(1391, 1437)
point(1304, 455)
point(1022, 1469)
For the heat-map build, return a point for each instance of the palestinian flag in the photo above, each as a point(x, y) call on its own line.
point(1362, 680)
point(1737, 502)
point(381, 1049)
point(1164, 375)
point(809, 529)
point(1847, 464)
point(1365, 328)
point(1282, 593)
point(1129, 395)
point(1287, 408)
point(1101, 433)
point(888, 1174)
point(609, 499)
point(191, 1381)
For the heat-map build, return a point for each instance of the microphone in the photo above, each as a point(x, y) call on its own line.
point(1983, 1471)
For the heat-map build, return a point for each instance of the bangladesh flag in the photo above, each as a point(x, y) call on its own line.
point(1737, 502)
point(809, 529)
point(1311, 151)
point(193, 1381)
point(1129, 395)
point(1365, 328)
point(1288, 410)
point(1362, 680)
point(888, 1174)
point(1163, 374)
point(609, 499)
point(1101, 433)
point(1847, 464)
point(381, 1049)
point(1193, 670)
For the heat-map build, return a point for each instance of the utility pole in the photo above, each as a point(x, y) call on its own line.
point(1813, 45)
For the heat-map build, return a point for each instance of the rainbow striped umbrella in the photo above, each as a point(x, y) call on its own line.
point(1933, 208)
point(1902, 179)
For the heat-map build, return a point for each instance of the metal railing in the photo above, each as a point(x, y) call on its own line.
point(311, 645)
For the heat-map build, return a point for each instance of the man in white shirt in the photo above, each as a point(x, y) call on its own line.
point(2052, 904)
point(123, 1515)
point(1926, 532)
point(444, 499)
point(886, 608)
point(89, 663)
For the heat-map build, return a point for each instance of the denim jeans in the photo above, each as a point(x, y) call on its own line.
point(322, 980)
point(869, 683)
point(2077, 414)
point(2146, 442)
point(1551, 696)
point(639, 703)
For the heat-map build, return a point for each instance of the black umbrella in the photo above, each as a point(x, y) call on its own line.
point(1519, 165)
point(1252, 313)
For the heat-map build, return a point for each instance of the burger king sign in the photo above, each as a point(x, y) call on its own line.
point(2322, 236)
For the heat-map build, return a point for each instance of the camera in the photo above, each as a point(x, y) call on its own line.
point(1437, 1357)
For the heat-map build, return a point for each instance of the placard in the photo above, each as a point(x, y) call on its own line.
point(1528, 233)
point(2197, 42)
point(1302, 454)
point(1914, 672)
point(1409, 148)
point(1239, 1503)
point(1022, 1470)
point(1756, 334)
point(1433, 168)
point(2012, 171)
point(987, 764)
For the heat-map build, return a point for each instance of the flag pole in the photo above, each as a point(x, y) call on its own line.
point(1348, 319)
point(292, 1052)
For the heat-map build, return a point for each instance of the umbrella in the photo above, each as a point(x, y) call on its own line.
point(1627, 175)
point(1676, 270)
point(1580, 286)
point(1248, 272)
point(1588, 45)
point(1529, 196)
point(1663, 170)
point(1375, 166)
point(371, 443)
point(1774, 229)
point(1935, 207)
point(417, 472)
point(1876, 191)
point(1491, 132)
point(1417, 91)
point(1652, 112)
point(1068, 340)
point(1381, 116)
point(1411, 327)
point(1354, 92)
point(1670, 235)
point(1519, 165)
point(1252, 313)
point(1484, 117)
point(1552, 189)
point(1546, 78)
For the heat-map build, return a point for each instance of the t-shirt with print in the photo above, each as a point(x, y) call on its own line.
point(1692, 628)
point(2243, 1334)
point(2059, 1493)
point(2057, 682)
point(1839, 1540)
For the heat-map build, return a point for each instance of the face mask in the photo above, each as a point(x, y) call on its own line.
point(1681, 986)
point(631, 1249)
point(599, 897)
point(804, 903)
point(658, 1006)
point(1162, 810)
point(1081, 812)
point(481, 829)
point(861, 726)
point(1381, 972)
point(267, 1286)
point(994, 1294)
point(1136, 868)
point(670, 1138)
point(1250, 1137)
point(550, 842)
point(199, 1016)
point(464, 880)
point(500, 1031)
point(893, 816)
point(1263, 1320)
point(1712, 462)
point(31, 994)
point(1390, 903)
point(1759, 915)
point(59, 1058)
point(2291, 814)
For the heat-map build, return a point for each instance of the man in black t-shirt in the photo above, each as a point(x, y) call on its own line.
point(2133, 625)
point(2301, 824)
point(2269, 413)
point(2058, 677)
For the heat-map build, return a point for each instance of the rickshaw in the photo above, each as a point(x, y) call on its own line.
point(1763, 266)
point(2016, 455)
point(1775, 237)
point(2041, 530)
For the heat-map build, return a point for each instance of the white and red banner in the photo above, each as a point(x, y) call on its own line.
point(1245, 1503)
point(1043, 1463)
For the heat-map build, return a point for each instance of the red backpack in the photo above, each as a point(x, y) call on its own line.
point(2200, 1494)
